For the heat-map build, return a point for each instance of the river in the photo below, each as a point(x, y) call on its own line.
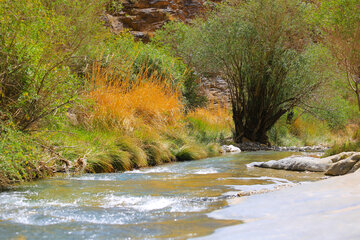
point(171, 201)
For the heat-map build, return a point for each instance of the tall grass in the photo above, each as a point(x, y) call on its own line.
point(127, 101)
point(211, 124)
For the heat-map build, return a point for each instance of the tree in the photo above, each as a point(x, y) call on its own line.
point(339, 22)
point(263, 50)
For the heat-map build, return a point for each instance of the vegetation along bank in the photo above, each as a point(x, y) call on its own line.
point(77, 96)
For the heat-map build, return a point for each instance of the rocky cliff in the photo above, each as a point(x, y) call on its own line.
point(143, 17)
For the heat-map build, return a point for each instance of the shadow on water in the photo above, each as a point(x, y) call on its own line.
point(168, 201)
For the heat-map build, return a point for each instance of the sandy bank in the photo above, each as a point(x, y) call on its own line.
point(328, 209)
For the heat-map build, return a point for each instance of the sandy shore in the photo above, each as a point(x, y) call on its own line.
point(328, 209)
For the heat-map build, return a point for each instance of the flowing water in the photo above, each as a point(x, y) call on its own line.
point(169, 201)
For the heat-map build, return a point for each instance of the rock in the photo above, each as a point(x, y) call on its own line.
point(355, 156)
point(113, 22)
point(149, 15)
point(230, 149)
point(340, 156)
point(341, 167)
point(355, 168)
point(296, 163)
point(216, 90)
point(72, 118)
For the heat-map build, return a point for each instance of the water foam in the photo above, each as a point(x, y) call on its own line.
point(151, 203)
point(206, 171)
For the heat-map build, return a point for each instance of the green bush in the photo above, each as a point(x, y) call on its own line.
point(40, 44)
point(348, 146)
point(21, 157)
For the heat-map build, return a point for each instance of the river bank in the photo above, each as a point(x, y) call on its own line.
point(327, 209)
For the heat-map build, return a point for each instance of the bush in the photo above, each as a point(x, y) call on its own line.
point(40, 42)
point(21, 158)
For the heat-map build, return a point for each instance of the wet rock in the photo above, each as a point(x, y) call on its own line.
point(230, 149)
point(341, 167)
point(296, 163)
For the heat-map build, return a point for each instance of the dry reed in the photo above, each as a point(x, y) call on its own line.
point(124, 100)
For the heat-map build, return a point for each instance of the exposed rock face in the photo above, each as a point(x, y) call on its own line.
point(217, 91)
point(146, 16)
point(340, 164)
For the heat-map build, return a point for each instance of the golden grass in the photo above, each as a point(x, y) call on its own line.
point(216, 116)
point(126, 101)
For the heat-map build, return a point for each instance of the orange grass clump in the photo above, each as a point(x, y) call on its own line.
point(129, 101)
point(218, 115)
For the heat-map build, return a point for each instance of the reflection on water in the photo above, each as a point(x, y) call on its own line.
point(168, 201)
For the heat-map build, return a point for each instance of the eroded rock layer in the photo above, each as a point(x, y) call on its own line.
point(145, 16)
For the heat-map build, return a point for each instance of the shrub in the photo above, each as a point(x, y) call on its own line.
point(39, 44)
point(21, 158)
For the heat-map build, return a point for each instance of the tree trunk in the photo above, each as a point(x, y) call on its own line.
point(254, 129)
point(357, 92)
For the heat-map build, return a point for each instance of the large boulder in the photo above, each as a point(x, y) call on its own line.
point(297, 163)
point(339, 164)
point(344, 166)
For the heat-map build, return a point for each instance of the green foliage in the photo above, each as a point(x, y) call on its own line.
point(20, 156)
point(206, 132)
point(349, 146)
point(304, 129)
point(263, 48)
point(190, 152)
point(137, 154)
point(124, 50)
point(114, 7)
point(40, 42)
point(338, 15)
point(173, 35)
point(338, 21)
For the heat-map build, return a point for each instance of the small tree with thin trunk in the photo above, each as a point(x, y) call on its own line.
point(339, 22)
point(263, 50)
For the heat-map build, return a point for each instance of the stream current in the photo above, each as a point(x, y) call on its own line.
point(168, 202)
